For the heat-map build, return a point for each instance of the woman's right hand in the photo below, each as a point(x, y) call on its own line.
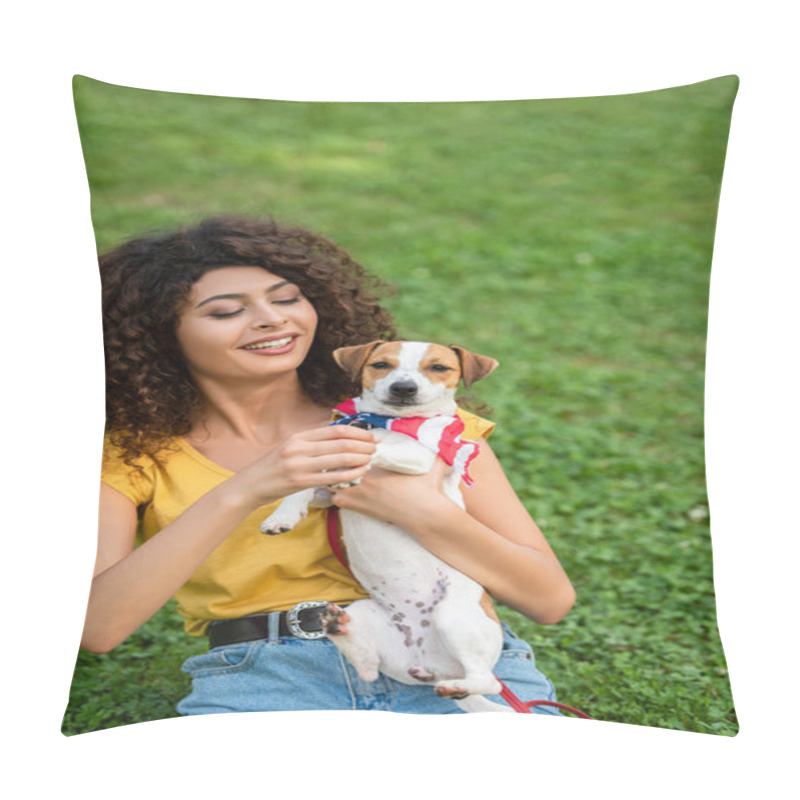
point(304, 461)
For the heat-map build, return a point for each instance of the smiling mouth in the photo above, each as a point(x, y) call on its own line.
point(274, 344)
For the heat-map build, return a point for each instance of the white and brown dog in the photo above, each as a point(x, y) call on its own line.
point(425, 622)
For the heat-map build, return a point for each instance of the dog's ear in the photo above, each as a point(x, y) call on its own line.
point(352, 359)
point(473, 366)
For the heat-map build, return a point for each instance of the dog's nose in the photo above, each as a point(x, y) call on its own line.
point(403, 389)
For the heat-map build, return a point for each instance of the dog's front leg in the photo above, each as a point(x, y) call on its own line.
point(400, 453)
point(291, 510)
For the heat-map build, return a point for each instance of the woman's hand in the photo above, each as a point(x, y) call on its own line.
point(394, 497)
point(306, 459)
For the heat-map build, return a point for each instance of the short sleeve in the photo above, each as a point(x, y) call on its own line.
point(135, 482)
point(475, 427)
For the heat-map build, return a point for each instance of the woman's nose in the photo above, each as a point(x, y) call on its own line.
point(269, 316)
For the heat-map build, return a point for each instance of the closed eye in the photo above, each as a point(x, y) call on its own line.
point(381, 365)
point(224, 315)
point(439, 368)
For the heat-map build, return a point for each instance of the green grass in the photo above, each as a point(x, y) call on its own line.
point(570, 239)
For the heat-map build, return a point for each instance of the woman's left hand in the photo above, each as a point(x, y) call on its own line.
point(394, 497)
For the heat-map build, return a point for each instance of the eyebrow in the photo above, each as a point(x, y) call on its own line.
point(240, 296)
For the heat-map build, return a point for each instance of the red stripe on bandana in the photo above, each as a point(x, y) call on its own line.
point(348, 407)
point(450, 441)
point(408, 425)
point(440, 434)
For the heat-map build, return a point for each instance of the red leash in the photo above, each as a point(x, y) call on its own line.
point(332, 521)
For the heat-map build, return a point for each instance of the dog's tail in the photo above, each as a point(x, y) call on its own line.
point(477, 702)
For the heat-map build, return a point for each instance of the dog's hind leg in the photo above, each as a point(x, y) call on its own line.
point(474, 640)
point(351, 631)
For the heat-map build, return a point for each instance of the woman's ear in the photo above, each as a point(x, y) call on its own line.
point(352, 359)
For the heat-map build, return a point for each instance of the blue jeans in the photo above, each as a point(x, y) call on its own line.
point(289, 674)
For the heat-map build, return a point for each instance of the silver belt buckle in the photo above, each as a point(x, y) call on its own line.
point(293, 619)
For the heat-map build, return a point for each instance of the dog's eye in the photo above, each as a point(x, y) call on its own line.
point(439, 368)
point(381, 365)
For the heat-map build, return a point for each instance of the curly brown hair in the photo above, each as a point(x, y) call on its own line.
point(150, 395)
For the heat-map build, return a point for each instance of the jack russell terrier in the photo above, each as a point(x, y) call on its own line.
point(425, 622)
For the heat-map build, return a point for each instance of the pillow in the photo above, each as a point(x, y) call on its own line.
point(571, 240)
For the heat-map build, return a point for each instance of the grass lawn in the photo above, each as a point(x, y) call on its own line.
point(571, 240)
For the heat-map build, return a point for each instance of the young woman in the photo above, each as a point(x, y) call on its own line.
point(220, 385)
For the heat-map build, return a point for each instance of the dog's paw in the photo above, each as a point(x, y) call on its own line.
point(334, 620)
point(277, 523)
point(422, 674)
point(453, 690)
point(286, 516)
point(459, 688)
point(345, 485)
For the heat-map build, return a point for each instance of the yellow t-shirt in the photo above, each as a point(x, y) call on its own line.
point(248, 573)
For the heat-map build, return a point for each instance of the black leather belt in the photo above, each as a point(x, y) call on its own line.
point(301, 621)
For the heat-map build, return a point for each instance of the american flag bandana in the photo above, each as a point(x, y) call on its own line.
point(441, 434)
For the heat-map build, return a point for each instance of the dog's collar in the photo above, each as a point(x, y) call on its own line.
point(440, 433)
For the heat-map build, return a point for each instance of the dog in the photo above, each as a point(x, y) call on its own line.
point(425, 622)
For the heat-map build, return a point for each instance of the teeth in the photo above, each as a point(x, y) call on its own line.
point(273, 345)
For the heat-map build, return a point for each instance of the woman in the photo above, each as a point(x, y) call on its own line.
point(220, 386)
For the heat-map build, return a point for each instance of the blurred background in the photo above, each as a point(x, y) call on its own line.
point(571, 240)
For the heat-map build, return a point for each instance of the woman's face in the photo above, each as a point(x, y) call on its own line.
point(245, 322)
